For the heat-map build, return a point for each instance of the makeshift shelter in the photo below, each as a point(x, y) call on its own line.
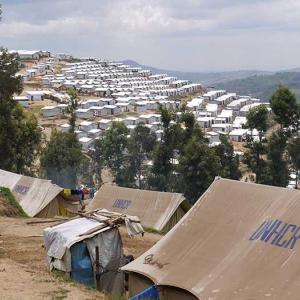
point(239, 241)
point(37, 197)
point(158, 210)
point(90, 248)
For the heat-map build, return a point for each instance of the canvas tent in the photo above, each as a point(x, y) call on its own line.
point(37, 197)
point(158, 210)
point(239, 241)
point(72, 247)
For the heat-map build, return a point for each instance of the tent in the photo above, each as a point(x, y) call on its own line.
point(37, 197)
point(239, 241)
point(90, 249)
point(158, 210)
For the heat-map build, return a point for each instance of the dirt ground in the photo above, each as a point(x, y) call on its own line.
point(23, 269)
point(7, 209)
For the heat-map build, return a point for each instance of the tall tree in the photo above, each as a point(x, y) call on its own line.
point(62, 158)
point(198, 167)
point(140, 146)
point(98, 161)
point(164, 153)
point(19, 131)
point(285, 107)
point(72, 106)
point(229, 161)
point(257, 118)
point(113, 145)
point(294, 152)
point(277, 164)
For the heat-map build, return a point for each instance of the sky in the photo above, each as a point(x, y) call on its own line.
point(186, 35)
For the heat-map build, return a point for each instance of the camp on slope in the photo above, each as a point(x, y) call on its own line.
point(239, 241)
point(37, 197)
point(157, 210)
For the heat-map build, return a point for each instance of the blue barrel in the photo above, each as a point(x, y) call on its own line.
point(82, 268)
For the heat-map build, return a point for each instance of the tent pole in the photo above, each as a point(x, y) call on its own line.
point(97, 269)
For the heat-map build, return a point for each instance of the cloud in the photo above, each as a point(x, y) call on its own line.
point(191, 34)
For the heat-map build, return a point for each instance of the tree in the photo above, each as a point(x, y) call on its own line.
point(162, 172)
point(72, 106)
point(140, 146)
point(113, 146)
point(62, 159)
point(285, 107)
point(257, 118)
point(27, 138)
point(192, 129)
point(277, 166)
point(20, 134)
point(198, 167)
point(10, 83)
point(229, 161)
point(98, 161)
point(294, 152)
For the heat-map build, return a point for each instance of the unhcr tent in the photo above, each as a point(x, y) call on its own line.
point(158, 210)
point(37, 197)
point(239, 241)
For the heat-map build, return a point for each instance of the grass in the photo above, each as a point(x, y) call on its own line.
point(9, 197)
point(60, 294)
point(151, 230)
point(62, 276)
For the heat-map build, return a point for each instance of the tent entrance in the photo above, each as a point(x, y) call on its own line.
point(81, 263)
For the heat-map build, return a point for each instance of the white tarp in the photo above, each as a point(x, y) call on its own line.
point(102, 233)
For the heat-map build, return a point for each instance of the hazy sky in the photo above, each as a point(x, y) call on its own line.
point(191, 35)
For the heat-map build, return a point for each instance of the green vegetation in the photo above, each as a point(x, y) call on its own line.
point(182, 161)
point(62, 276)
point(263, 86)
point(151, 230)
point(62, 158)
point(20, 134)
point(9, 197)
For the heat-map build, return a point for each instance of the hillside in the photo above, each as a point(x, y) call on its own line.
point(206, 78)
point(262, 86)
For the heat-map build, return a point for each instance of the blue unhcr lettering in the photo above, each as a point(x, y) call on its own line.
point(268, 230)
point(122, 204)
point(277, 233)
point(278, 242)
point(258, 232)
point(293, 238)
point(274, 230)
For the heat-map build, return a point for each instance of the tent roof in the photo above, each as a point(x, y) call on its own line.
point(153, 208)
point(61, 237)
point(33, 194)
point(210, 252)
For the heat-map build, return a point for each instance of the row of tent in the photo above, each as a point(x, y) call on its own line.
point(41, 198)
point(239, 241)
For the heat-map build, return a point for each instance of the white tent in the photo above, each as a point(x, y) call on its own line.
point(37, 197)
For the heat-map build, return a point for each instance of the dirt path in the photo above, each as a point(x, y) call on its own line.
point(23, 269)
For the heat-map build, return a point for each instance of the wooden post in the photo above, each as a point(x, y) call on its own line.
point(98, 270)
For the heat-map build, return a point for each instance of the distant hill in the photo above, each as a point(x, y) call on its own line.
point(263, 86)
point(205, 78)
point(260, 84)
